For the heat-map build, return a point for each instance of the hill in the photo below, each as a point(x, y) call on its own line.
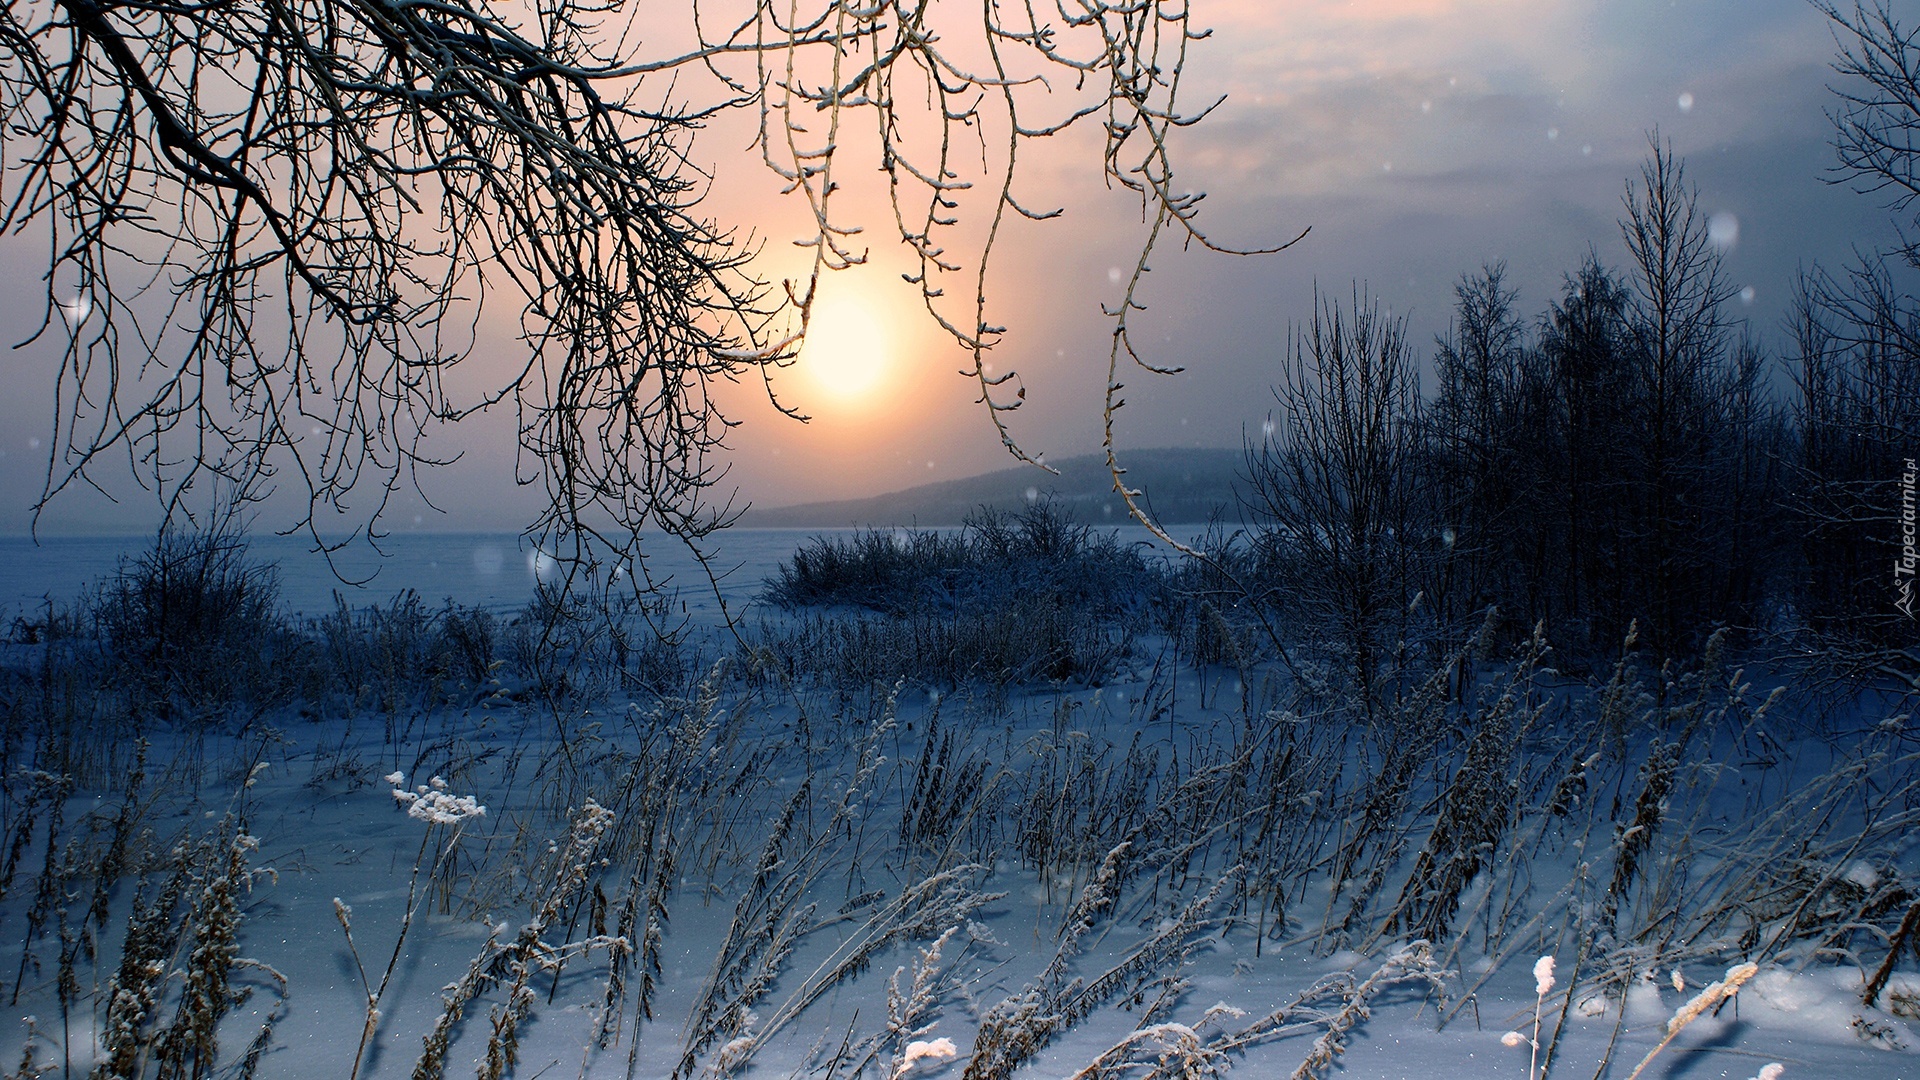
point(1183, 486)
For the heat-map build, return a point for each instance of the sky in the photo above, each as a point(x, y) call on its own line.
point(1419, 139)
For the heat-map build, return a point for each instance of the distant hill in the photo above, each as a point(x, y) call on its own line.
point(1183, 487)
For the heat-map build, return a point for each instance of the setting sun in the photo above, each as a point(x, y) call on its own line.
point(847, 348)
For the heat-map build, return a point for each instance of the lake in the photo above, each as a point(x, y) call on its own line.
point(496, 571)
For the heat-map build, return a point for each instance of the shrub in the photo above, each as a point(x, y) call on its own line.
point(386, 655)
point(1023, 640)
point(594, 640)
point(995, 557)
point(191, 622)
point(1009, 598)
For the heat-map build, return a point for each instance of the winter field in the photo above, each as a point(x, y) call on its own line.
point(1021, 801)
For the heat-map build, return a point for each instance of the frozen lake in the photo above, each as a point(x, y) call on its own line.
point(495, 571)
point(491, 570)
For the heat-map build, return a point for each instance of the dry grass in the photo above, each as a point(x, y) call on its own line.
point(840, 834)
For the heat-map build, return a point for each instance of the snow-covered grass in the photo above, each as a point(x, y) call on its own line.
point(1179, 872)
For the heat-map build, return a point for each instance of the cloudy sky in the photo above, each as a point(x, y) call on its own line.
point(1418, 138)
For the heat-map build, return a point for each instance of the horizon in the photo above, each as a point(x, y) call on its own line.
point(129, 532)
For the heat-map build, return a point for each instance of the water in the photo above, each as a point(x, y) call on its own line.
point(495, 571)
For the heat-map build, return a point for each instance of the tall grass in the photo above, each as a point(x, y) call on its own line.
point(1005, 600)
point(1038, 552)
point(1486, 810)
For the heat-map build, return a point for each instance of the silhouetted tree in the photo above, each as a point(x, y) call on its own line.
point(1856, 367)
point(1877, 126)
point(1751, 466)
point(1580, 388)
point(1336, 485)
point(1624, 465)
point(1678, 331)
point(1473, 448)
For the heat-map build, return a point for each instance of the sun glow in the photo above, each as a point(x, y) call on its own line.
point(848, 348)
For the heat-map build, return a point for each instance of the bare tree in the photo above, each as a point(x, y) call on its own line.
point(1856, 412)
point(1751, 462)
point(1857, 368)
point(1577, 400)
point(1679, 332)
point(1877, 123)
point(1473, 446)
point(1335, 487)
point(272, 225)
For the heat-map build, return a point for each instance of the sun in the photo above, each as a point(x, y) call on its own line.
point(848, 348)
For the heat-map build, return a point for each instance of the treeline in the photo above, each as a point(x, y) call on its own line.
point(1633, 456)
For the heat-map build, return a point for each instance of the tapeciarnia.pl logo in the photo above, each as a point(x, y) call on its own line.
point(1903, 567)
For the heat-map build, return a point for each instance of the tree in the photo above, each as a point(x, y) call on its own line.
point(1577, 390)
point(1877, 124)
point(1856, 412)
point(1336, 486)
point(1858, 363)
point(1473, 447)
point(272, 224)
point(1679, 333)
point(1751, 463)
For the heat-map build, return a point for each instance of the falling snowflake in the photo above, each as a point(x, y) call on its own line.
point(1723, 230)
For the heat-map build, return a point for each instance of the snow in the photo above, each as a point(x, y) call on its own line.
point(926, 1051)
point(335, 835)
point(431, 802)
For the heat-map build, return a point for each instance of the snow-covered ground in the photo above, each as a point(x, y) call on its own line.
point(1170, 874)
